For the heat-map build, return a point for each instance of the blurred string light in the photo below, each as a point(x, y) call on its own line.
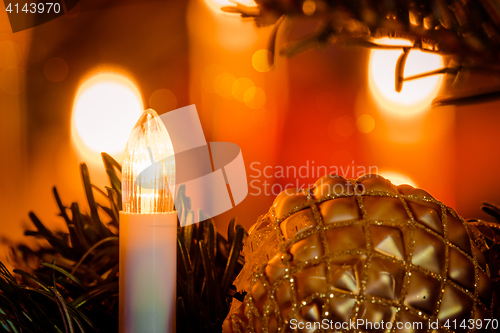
point(262, 60)
point(343, 127)
point(105, 109)
point(254, 98)
point(365, 123)
point(397, 178)
point(223, 84)
point(216, 5)
point(240, 86)
point(163, 100)
point(415, 95)
point(221, 28)
point(215, 79)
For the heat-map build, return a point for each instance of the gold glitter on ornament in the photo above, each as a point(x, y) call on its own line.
point(366, 249)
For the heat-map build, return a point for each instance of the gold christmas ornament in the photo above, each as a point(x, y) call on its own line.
point(362, 256)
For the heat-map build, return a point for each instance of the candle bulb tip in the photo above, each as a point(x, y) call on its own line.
point(148, 175)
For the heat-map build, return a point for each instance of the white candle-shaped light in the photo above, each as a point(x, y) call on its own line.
point(148, 230)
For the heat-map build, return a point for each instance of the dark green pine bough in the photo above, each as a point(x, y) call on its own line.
point(73, 286)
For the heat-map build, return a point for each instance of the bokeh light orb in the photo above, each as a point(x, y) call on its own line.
point(105, 109)
point(365, 123)
point(345, 126)
point(254, 98)
point(163, 100)
point(223, 85)
point(261, 60)
point(416, 95)
point(240, 87)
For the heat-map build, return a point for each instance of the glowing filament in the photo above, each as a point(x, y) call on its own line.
point(148, 172)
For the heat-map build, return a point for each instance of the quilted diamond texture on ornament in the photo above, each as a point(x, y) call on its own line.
point(360, 249)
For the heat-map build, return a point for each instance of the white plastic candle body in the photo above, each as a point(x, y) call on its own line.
point(148, 245)
point(148, 230)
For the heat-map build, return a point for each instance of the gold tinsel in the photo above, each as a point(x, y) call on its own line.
point(366, 249)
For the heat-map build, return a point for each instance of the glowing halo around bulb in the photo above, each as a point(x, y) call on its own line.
point(215, 5)
point(397, 178)
point(105, 109)
point(416, 95)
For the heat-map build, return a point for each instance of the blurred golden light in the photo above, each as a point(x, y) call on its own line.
point(215, 5)
point(260, 60)
point(163, 100)
point(105, 109)
point(254, 98)
point(223, 84)
point(208, 76)
point(397, 178)
point(416, 95)
point(365, 123)
point(240, 86)
point(309, 7)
